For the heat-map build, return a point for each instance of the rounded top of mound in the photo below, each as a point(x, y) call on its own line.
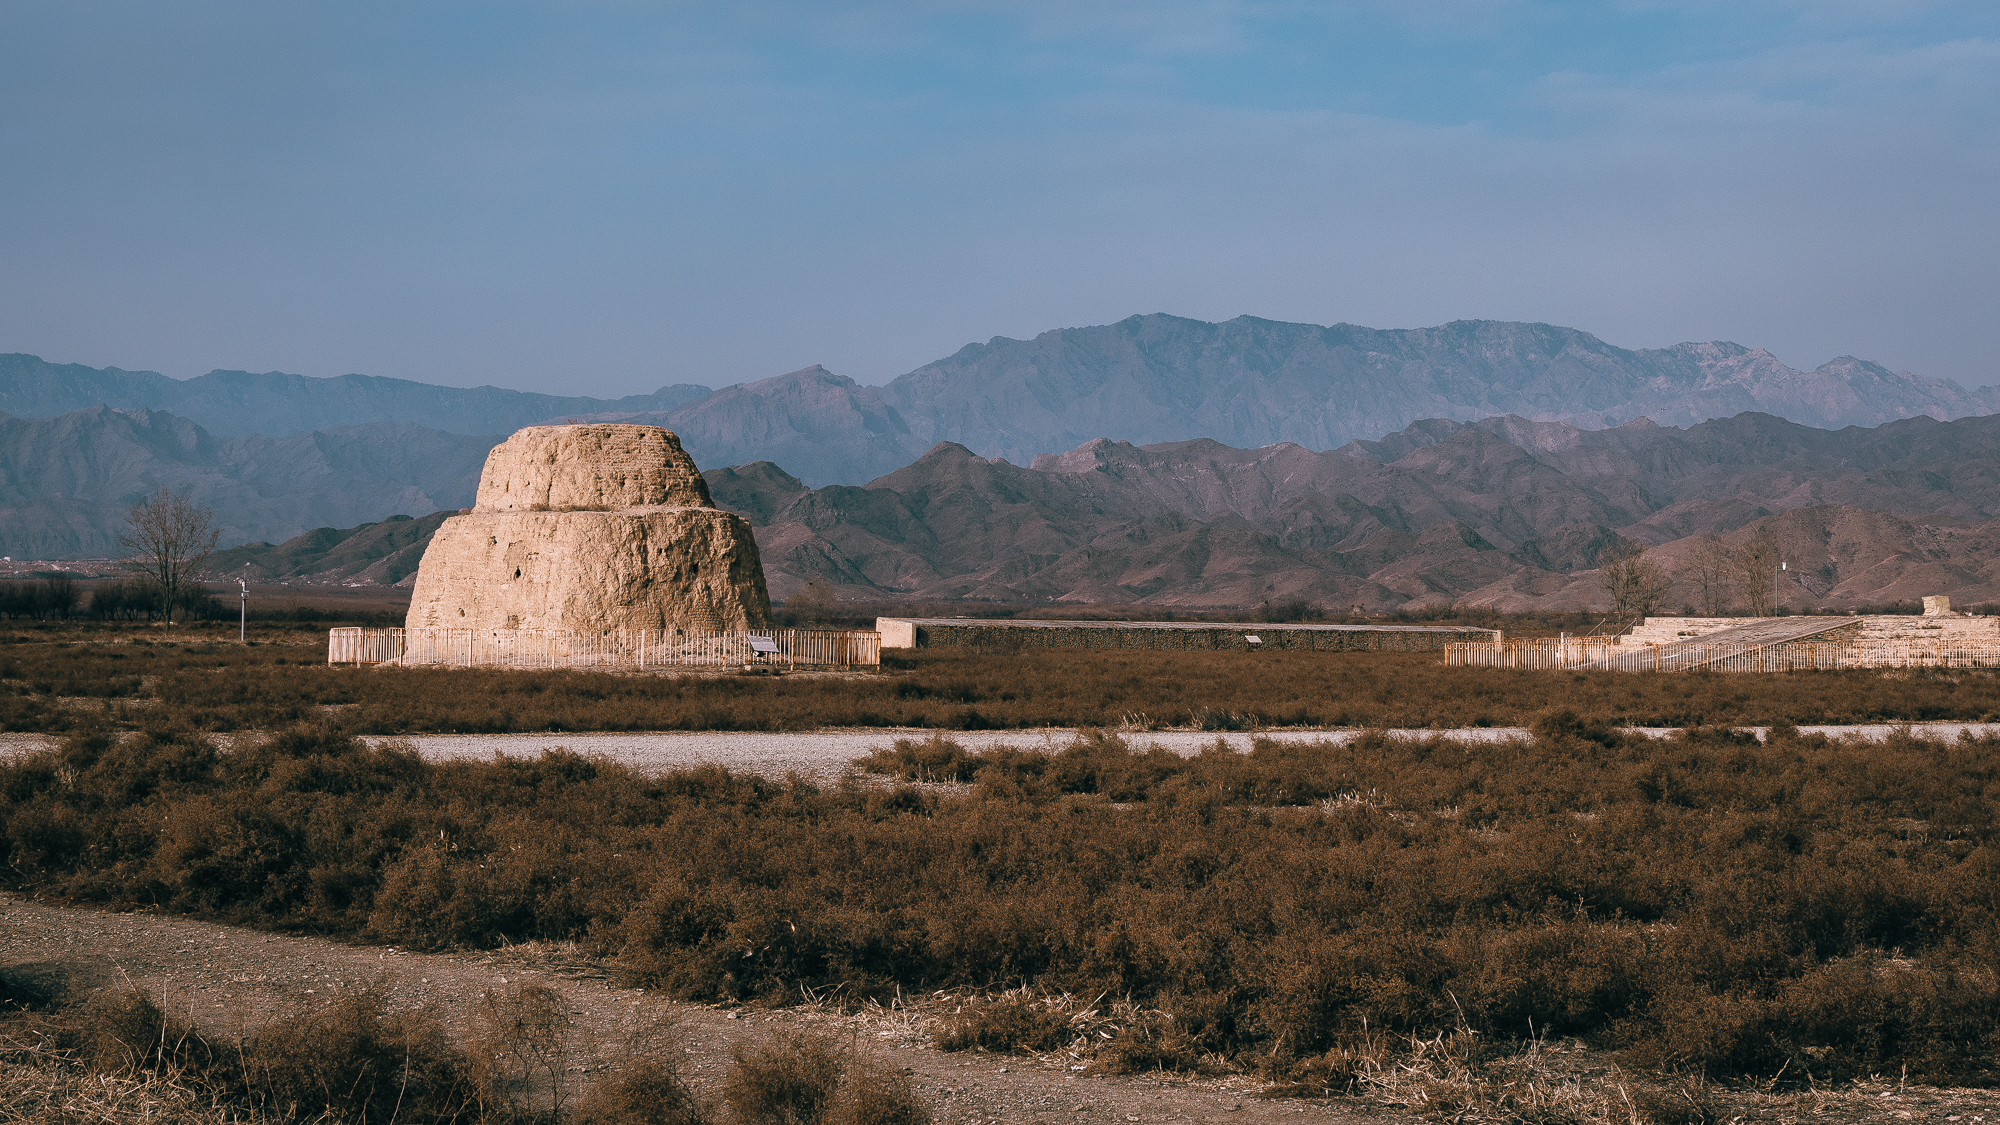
point(593, 468)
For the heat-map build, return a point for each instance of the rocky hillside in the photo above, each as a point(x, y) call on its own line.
point(385, 553)
point(1506, 512)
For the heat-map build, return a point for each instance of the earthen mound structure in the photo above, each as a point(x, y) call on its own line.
point(591, 527)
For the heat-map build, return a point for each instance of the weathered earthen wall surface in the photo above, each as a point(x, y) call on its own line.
point(590, 468)
point(597, 526)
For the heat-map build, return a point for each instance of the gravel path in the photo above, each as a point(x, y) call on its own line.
point(822, 756)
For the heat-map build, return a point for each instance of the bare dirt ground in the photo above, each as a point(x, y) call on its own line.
point(229, 981)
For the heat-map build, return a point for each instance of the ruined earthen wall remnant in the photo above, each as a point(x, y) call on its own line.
point(591, 526)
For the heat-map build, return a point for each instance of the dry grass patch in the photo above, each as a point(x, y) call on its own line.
point(65, 679)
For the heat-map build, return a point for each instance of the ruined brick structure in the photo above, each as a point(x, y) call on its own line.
point(591, 526)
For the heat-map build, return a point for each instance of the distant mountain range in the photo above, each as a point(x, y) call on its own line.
point(239, 403)
point(1249, 382)
point(66, 483)
point(1146, 379)
point(1162, 460)
point(1506, 512)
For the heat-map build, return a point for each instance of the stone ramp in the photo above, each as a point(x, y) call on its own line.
point(1874, 627)
point(1768, 644)
point(1780, 630)
point(1725, 630)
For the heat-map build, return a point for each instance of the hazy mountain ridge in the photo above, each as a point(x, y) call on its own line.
point(237, 403)
point(1245, 382)
point(66, 483)
point(1249, 382)
point(822, 426)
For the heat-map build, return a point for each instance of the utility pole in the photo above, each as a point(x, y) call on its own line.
point(243, 615)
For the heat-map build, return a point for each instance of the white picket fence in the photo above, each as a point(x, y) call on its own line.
point(1690, 656)
point(596, 648)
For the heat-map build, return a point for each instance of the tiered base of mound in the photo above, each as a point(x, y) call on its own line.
point(666, 568)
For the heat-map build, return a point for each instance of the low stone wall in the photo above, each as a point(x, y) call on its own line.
point(1673, 630)
point(1016, 636)
point(1916, 629)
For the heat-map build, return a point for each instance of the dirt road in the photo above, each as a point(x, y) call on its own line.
point(229, 981)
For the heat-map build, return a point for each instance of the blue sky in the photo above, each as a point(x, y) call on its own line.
point(604, 197)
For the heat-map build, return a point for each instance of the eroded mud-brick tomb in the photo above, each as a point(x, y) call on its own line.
point(592, 527)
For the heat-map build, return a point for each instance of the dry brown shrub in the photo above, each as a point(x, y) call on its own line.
point(351, 1060)
point(800, 1078)
point(344, 1061)
point(123, 1030)
point(876, 1095)
point(790, 1080)
point(523, 1048)
point(644, 1092)
point(936, 758)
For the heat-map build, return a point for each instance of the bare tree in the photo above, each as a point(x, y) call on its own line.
point(1708, 570)
point(1636, 584)
point(168, 536)
point(1756, 563)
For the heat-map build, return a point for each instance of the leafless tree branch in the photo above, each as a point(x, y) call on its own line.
point(166, 538)
point(1636, 584)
